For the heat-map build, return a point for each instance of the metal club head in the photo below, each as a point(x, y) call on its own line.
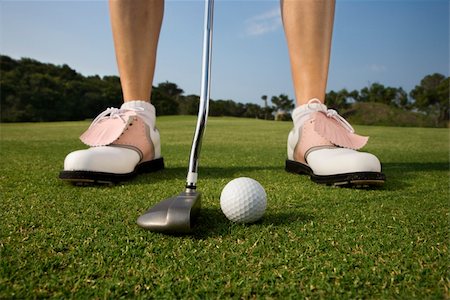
point(173, 215)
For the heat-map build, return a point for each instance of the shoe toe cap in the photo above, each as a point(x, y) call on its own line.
point(341, 161)
point(102, 159)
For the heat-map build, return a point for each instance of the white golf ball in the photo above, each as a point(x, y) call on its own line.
point(243, 200)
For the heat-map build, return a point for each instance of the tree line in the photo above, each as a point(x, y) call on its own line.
point(31, 91)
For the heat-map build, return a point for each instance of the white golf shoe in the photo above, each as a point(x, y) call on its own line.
point(324, 146)
point(124, 142)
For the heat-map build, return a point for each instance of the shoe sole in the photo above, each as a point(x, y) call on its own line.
point(356, 179)
point(90, 177)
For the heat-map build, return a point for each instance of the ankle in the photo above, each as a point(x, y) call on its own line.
point(302, 113)
point(144, 109)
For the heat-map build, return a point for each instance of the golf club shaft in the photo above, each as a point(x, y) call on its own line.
point(191, 181)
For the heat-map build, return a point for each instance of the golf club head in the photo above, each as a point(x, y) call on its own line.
point(173, 215)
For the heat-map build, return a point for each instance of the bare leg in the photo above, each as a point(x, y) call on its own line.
point(308, 25)
point(315, 145)
point(136, 25)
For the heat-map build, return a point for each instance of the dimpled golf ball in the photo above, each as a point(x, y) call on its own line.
point(243, 200)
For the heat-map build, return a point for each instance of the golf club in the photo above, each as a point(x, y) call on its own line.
point(177, 214)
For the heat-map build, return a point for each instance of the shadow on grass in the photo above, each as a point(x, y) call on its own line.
point(398, 174)
point(204, 172)
point(212, 222)
point(284, 218)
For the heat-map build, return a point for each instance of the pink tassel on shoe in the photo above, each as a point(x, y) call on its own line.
point(334, 128)
point(106, 130)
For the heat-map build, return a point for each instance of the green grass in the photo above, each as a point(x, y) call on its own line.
point(61, 241)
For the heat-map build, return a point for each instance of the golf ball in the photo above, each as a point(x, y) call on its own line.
point(243, 200)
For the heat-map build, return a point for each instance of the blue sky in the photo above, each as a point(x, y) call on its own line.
point(395, 43)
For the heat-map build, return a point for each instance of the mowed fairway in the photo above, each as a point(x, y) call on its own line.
point(62, 241)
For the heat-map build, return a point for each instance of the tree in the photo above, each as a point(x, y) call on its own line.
point(377, 92)
point(432, 96)
point(166, 98)
point(31, 91)
point(264, 98)
point(401, 99)
point(341, 99)
point(226, 108)
point(164, 104)
point(282, 102)
point(170, 89)
point(253, 111)
point(283, 105)
point(188, 105)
